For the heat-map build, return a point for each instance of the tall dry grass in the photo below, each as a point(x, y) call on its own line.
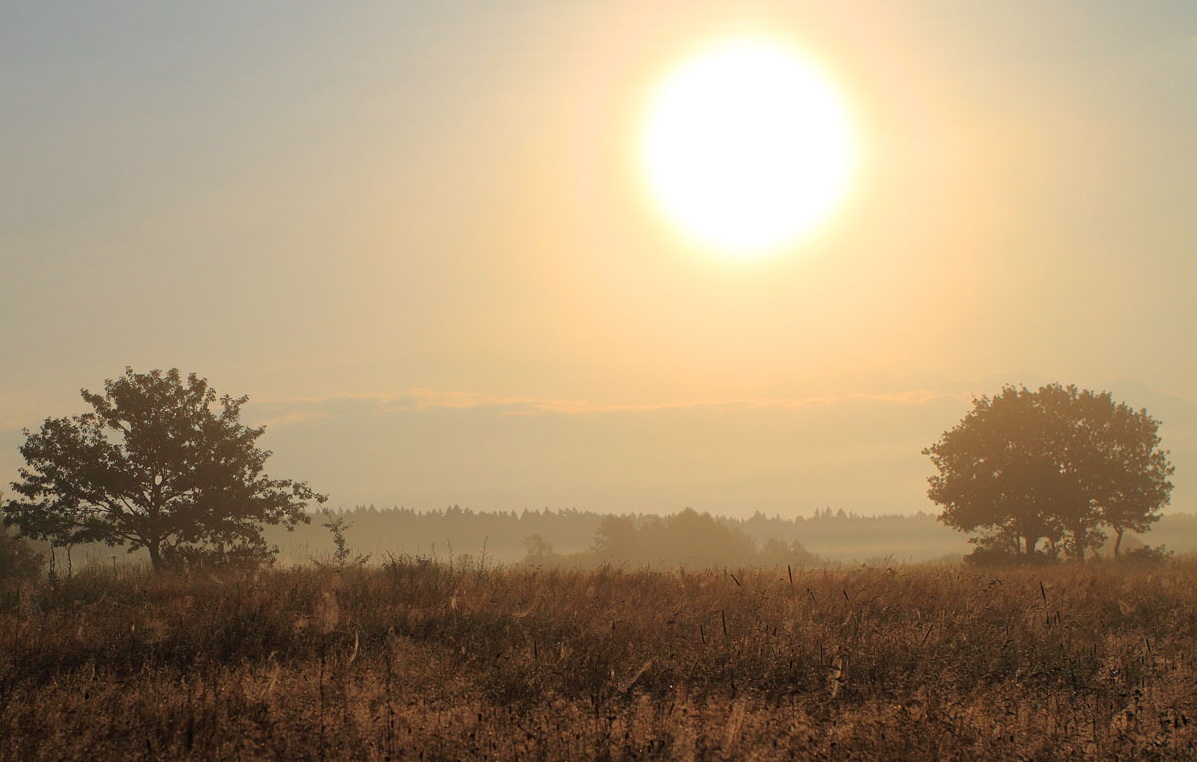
point(418, 660)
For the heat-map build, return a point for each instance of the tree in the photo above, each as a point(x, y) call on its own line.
point(17, 560)
point(617, 540)
point(1054, 464)
point(1136, 483)
point(159, 463)
point(685, 538)
point(539, 551)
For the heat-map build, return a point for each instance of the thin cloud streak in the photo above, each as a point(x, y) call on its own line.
point(425, 399)
point(734, 454)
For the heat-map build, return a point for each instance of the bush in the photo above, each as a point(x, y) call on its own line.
point(244, 555)
point(1146, 554)
point(1000, 557)
point(17, 559)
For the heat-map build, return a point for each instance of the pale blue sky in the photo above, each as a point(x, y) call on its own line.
point(415, 234)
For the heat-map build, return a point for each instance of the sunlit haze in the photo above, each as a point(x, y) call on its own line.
point(618, 256)
point(746, 147)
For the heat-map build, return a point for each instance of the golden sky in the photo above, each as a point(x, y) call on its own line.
point(418, 235)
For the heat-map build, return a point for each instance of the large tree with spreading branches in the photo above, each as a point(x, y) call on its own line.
point(1054, 464)
point(161, 463)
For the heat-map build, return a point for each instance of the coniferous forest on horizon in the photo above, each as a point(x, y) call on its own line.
point(573, 537)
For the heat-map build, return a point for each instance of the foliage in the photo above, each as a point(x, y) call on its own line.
point(570, 534)
point(1053, 465)
point(342, 555)
point(687, 538)
point(1146, 554)
point(159, 463)
point(419, 660)
point(538, 550)
point(18, 561)
point(990, 556)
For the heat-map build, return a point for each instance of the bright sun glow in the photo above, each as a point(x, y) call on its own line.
point(747, 148)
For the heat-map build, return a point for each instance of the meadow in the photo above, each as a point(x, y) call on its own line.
point(417, 660)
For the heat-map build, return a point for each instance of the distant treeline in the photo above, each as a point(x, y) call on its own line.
point(510, 536)
point(584, 538)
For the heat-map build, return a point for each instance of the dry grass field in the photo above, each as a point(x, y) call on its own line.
point(422, 661)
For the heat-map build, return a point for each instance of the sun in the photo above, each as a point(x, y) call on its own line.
point(747, 148)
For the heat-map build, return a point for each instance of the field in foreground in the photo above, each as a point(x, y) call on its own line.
point(422, 661)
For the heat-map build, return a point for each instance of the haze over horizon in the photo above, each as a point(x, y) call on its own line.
point(418, 236)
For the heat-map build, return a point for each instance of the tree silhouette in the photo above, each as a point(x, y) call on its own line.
point(1054, 464)
point(617, 539)
point(159, 463)
point(17, 559)
point(686, 538)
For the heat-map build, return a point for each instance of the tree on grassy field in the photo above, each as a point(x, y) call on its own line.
point(1054, 464)
point(159, 463)
point(686, 538)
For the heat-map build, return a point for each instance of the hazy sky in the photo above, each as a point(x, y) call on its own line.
point(417, 235)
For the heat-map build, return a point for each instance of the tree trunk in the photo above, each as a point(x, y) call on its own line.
point(1118, 542)
point(1031, 543)
point(155, 548)
point(1078, 542)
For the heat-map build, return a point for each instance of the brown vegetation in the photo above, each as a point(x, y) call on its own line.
point(422, 661)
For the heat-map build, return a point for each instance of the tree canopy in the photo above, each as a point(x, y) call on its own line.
point(684, 538)
point(1055, 464)
point(159, 463)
